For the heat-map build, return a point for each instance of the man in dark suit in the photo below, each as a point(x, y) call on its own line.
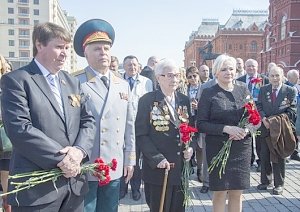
point(254, 87)
point(48, 123)
point(274, 99)
point(148, 71)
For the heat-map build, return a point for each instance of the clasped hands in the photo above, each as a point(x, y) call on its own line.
point(235, 133)
point(70, 165)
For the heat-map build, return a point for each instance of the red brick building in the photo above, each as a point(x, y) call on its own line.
point(198, 39)
point(282, 35)
point(241, 36)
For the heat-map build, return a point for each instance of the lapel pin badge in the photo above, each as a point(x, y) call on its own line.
point(75, 100)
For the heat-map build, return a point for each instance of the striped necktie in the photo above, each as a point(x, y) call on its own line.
point(53, 82)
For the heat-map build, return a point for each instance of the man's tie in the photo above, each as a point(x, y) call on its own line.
point(250, 84)
point(273, 95)
point(53, 81)
point(131, 82)
point(105, 81)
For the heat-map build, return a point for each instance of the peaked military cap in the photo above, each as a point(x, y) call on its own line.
point(93, 30)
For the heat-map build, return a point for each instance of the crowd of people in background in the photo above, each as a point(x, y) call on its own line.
point(132, 114)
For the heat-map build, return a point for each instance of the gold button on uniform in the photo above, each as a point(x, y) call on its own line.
point(178, 153)
point(179, 144)
point(118, 117)
point(118, 130)
point(103, 130)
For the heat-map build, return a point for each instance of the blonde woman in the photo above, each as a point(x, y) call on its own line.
point(220, 109)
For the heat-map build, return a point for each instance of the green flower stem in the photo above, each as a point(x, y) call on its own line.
point(39, 177)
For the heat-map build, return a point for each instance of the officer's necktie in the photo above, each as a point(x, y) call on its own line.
point(104, 79)
point(53, 82)
point(131, 82)
point(273, 95)
point(250, 84)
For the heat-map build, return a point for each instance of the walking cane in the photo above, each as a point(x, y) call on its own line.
point(164, 188)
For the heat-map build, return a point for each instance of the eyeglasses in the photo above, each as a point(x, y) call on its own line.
point(171, 75)
point(192, 76)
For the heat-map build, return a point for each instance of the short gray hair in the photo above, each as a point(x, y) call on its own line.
point(220, 61)
point(251, 60)
point(165, 64)
point(279, 69)
point(293, 73)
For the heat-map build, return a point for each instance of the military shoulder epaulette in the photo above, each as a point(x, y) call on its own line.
point(76, 73)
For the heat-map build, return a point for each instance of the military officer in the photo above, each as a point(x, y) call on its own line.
point(110, 102)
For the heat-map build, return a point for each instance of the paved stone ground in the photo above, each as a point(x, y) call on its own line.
point(253, 199)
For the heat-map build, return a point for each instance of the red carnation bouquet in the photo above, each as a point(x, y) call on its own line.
point(186, 134)
point(256, 80)
point(99, 169)
point(250, 121)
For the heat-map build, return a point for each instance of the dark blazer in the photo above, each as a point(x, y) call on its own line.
point(149, 73)
point(244, 78)
point(156, 145)
point(38, 130)
point(285, 103)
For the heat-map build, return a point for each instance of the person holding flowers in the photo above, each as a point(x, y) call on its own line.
point(112, 106)
point(159, 117)
point(48, 122)
point(223, 117)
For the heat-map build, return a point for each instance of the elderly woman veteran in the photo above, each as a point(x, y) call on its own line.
point(157, 134)
point(220, 109)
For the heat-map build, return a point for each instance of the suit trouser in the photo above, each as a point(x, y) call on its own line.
point(173, 199)
point(205, 165)
point(199, 158)
point(65, 202)
point(102, 198)
point(278, 168)
point(136, 179)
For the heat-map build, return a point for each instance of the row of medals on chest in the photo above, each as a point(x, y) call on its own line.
point(161, 118)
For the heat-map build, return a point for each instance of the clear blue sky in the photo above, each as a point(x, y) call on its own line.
point(154, 27)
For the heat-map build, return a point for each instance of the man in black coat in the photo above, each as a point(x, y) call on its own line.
point(148, 71)
point(274, 99)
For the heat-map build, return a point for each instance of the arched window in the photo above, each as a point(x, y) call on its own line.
point(283, 28)
point(253, 46)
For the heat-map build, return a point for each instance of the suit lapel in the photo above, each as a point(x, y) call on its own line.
point(65, 97)
point(160, 98)
point(95, 83)
point(279, 97)
point(41, 82)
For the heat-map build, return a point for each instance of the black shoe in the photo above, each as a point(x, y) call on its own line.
point(136, 195)
point(204, 189)
point(262, 186)
point(295, 157)
point(278, 190)
point(122, 194)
